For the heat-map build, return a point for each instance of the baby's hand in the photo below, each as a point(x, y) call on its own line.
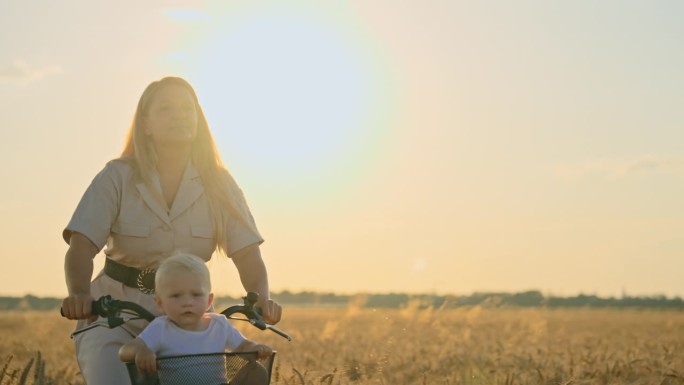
point(263, 351)
point(146, 361)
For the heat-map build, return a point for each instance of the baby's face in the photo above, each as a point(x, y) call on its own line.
point(183, 297)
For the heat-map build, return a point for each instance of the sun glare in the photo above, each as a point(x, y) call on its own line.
point(290, 94)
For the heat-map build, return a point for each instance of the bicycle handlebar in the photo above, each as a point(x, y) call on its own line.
point(111, 309)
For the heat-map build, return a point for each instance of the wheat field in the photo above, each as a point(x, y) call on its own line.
point(413, 345)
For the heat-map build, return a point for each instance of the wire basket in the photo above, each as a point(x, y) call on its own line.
point(207, 369)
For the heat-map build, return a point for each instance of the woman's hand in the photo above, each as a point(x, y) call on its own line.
point(78, 306)
point(271, 311)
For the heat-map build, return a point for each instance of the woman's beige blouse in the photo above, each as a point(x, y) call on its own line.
point(120, 212)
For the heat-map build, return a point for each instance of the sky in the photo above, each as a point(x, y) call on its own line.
point(434, 146)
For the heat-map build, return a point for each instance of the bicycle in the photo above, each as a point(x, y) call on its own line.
point(221, 368)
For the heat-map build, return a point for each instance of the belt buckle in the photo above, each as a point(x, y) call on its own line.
point(140, 280)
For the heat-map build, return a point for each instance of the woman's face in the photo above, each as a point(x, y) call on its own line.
point(171, 117)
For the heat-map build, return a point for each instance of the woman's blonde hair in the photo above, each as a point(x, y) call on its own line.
point(186, 262)
point(224, 196)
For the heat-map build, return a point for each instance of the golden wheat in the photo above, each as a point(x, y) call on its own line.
point(417, 345)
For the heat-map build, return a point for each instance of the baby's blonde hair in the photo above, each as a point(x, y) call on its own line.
point(187, 262)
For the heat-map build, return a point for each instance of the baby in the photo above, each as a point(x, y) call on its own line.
point(183, 293)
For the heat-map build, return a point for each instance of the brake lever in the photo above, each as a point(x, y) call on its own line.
point(279, 332)
point(253, 314)
point(261, 324)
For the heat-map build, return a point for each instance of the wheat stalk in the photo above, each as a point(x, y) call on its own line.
point(4, 369)
point(25, 372)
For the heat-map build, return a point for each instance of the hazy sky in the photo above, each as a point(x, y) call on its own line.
point(384, 146)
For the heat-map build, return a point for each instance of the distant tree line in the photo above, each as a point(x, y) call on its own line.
point(29, 302)
point(531, 298)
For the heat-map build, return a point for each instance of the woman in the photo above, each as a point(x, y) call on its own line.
point(168, 192)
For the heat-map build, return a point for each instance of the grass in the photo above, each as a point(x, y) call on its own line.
point(466, 346)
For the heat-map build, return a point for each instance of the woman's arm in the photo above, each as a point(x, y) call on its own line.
point(254, 278)
point(78, 271)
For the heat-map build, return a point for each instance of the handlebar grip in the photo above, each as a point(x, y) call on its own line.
point(98, 307)
point(95, 308)
point(107, 307)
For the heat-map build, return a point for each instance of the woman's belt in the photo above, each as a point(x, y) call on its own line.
point(142, 280)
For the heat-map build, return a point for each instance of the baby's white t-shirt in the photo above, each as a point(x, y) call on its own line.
point(166, 339)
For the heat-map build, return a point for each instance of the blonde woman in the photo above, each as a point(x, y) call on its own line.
point(168, 192)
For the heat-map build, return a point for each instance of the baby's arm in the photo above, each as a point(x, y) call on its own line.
point(263, 351)
point(137, 351)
